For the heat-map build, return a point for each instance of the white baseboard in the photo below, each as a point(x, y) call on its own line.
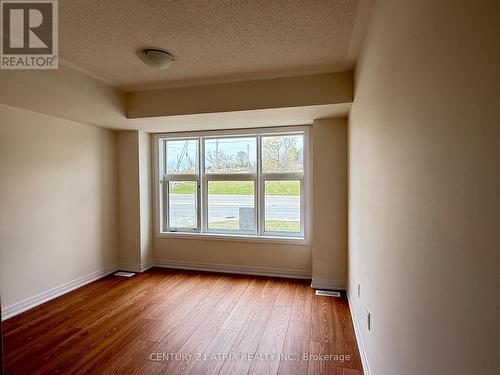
point(136, 267)
point(147, 265)
point(359, 339)
point(328, 284)
point(30, 302)
point(233, 268)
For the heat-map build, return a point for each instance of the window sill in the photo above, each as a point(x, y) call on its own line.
point(232, 237)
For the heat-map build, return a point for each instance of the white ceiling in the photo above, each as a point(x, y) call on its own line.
point(213, 41)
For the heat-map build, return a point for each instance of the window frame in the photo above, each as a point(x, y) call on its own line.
point(259, 178)
point(282, 176)
point(227, 177)
point(179, 177)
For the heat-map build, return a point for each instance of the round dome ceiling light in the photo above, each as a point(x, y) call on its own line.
point(156, 58)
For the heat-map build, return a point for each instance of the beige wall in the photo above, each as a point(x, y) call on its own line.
point(272, 258)
point(134, 199)
point(57, 202)
point(424, 202)
point(329, 231)
point(129, 219)
point(65, 93)
point(145, 193)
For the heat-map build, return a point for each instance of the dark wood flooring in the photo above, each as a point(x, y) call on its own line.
point(175, 322)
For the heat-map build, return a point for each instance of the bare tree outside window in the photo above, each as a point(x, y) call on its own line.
point(282, 153)
point(242, 160)
point(230, 155)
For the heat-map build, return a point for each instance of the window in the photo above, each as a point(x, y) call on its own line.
point(241, 183)
point(181, 182)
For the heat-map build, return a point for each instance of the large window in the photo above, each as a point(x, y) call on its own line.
point(244, 183)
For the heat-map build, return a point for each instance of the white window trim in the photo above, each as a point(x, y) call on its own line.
point(302, 238)
point(193, 177)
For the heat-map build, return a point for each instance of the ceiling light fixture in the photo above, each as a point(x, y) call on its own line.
point(156, 58)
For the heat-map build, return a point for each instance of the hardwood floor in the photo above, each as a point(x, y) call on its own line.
point(180, 322)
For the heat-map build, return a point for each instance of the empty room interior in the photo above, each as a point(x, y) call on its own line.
point(250, 187)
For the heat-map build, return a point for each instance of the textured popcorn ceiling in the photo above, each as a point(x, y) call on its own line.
point(213, 40)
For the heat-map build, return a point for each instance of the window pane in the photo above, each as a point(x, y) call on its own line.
point(182, 204)
point(283, 153)
point(230, 155)
point(282, 206)
point(182, 156)
point(231, 206)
